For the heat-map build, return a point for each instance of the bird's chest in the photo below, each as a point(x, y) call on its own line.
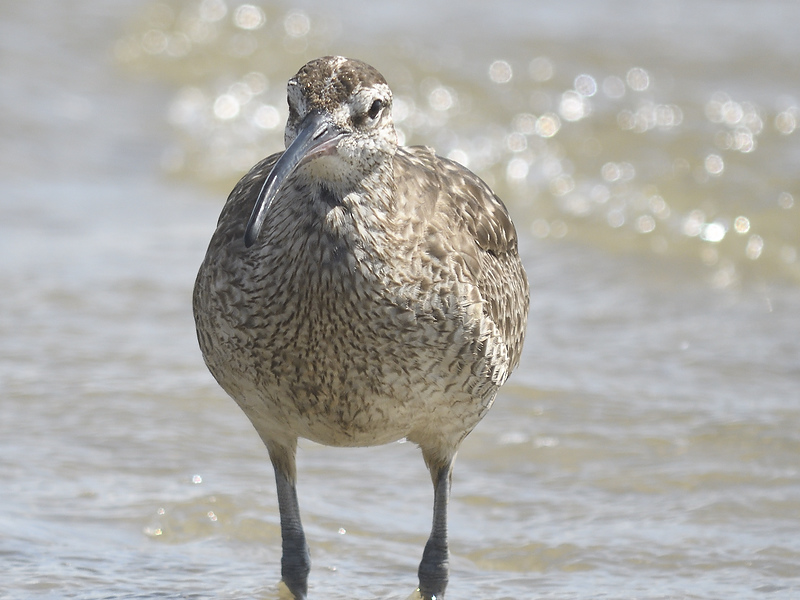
point(310, 313)
point(324, 318)
point(324, 335)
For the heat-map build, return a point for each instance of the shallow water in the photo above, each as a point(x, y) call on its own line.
point(648, 445)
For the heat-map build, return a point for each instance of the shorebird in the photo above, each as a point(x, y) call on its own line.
point(357, 292)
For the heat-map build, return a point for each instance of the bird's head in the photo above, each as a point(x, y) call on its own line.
point(340, 129)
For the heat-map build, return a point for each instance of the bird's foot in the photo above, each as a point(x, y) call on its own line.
point(294, 572)
point(418, 595)
point(434, 570)
point(286, 593)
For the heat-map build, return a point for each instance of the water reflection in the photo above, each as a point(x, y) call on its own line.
point(546, 147)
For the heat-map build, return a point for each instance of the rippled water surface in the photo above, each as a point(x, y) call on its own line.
point(647, 447)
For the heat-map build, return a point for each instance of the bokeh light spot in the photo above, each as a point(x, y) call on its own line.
point(786, 121)
point(267, 117)
point(645, 224)
point(213, 10)
point(154, 41)
point(613, 87)
point(693, 223)
point(547, 125)
point(541, 69)
point(525, 123)
point(754, 248)
point(500, 71)
point(297, 24)
point(713, 232)
point(615, 218)
point(785, 200)
point(517, 169)
point(585, 85)
point(573, 106)
point(638, 79)
point(226, 107)
point(714, 164)
point(249, 17)
point(441, 99)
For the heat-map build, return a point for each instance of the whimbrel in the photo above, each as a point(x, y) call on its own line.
point(357, 292)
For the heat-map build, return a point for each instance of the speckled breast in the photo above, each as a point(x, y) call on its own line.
point(336, 352)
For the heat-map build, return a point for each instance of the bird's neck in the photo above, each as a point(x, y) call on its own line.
point(364, 214)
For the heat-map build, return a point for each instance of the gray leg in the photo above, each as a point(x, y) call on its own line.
point(295, 562)
point(434, 568)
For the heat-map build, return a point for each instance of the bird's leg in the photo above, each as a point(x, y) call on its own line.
point(434, 568)
point(295, 561)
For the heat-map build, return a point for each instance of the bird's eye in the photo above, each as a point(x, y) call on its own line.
point(375, 109)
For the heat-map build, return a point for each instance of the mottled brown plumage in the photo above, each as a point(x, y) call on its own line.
point(356, 292)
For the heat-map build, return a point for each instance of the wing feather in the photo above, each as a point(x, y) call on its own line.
point(450, 198)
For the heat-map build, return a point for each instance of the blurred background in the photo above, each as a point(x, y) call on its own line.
point(647, 447)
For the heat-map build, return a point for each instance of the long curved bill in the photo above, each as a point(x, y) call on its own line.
point(317, 136)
